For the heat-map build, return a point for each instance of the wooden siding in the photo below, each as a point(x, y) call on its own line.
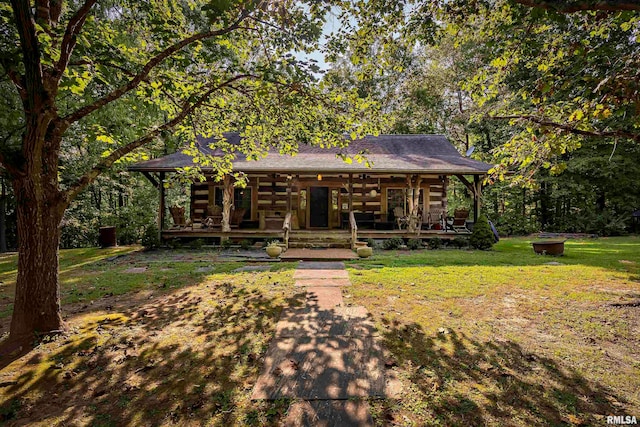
point(270, 193)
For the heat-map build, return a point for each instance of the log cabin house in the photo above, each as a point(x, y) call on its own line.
point(316, 195)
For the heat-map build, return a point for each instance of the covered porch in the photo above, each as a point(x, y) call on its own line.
point(302, 209)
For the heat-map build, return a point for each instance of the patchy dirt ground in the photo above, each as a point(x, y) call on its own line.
point(517, 340)
point(167, 354)
point(497, 338)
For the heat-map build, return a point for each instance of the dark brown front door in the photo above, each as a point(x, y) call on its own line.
point(319, 207)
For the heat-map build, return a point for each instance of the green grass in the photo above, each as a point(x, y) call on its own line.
point(508, 336)
point(177, 344)
point(480, 338)
point(89, 274)
point(601, 252)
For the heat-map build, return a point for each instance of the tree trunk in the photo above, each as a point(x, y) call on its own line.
point(39, 209)
point(544, 206)
point(37, 299)
point(3, 218)
point(227, 200)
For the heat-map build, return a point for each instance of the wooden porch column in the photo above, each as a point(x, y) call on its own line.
point(227, 199)
point(477, 193)
point(162, 208)
point(289, 177)
point(350, 192)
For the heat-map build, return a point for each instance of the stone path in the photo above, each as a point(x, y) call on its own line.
point(324, 354)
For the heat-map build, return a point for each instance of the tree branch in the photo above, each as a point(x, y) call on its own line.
point(143, 74)
point(108, 161)
point(69, 39)
point(42, 11)
point(578, 6)
point(33, 77)
point(570, 128)
point(15, 78)
point(104, 64)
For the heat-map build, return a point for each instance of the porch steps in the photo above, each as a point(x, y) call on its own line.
point(314, 240)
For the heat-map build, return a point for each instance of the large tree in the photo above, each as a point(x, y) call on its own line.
point(119, 74)
point(557, 72)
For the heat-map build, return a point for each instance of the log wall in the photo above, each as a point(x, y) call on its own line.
point(270, 193)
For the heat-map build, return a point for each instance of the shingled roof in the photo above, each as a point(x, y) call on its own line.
point(388, 153)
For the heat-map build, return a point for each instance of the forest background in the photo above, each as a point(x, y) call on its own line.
point(550, 96)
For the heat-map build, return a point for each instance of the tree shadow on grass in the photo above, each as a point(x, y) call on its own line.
point(463, 381)
point(183, 358)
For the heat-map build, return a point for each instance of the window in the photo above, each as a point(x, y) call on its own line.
point(241, 199)
point(396, 197)
point(303, 200)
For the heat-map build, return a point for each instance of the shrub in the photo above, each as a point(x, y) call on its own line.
point(246, 244)
point(393, 243)
point(414, 244)
point(434, 243)
point(482, 237)
point(196, 244)
point(151, 238)
point(270, 242)
point(372, 243)
point(127, 236)
point(175, 243)
point(225, 244)
point(460, 242)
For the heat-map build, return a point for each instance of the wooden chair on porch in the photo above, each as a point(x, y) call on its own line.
point(435, 219)
point(460, 217)
point(177, 214)
point(214, 217)
point(401, 219)
point(236, 217)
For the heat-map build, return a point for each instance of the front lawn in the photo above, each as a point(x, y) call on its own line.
point(508, 337)
point(504, 337)
point(155, 338)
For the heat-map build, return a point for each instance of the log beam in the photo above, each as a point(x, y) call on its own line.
point(162, 208)
point(227, 200)
point(151, 179)
point(477, 194)
point(471, 187)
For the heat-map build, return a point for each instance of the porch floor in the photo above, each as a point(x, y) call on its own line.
point(250, 233)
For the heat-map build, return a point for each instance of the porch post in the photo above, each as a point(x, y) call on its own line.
point(477, 193)
point(162, 207)
point(289, 177)
point(350, 192)
point(227, 196)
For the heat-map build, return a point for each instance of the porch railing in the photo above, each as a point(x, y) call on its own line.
point(286, 228)
point(354, 229)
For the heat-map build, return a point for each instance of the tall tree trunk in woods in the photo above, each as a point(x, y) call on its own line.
point(601, 202)
point(3, 218)
point(544, 206)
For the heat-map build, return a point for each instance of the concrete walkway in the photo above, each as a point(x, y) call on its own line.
point(325, 354)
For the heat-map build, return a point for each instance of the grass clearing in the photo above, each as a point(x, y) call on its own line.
point(480, 338)
point(179, 341)
point(507, 336)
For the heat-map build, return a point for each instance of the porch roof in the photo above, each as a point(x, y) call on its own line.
point(388, 153)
